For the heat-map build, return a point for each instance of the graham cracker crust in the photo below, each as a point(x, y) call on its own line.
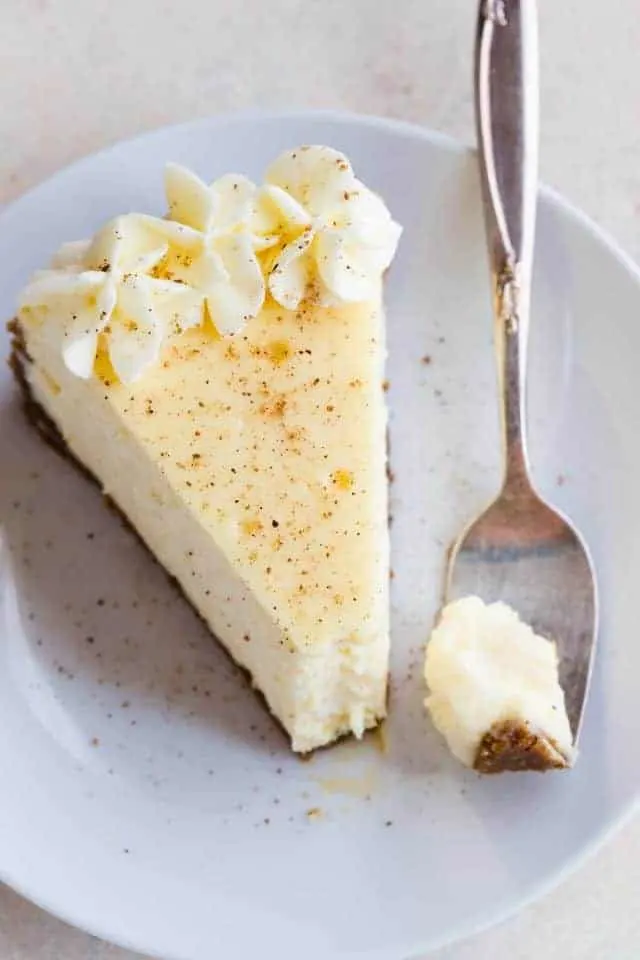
point(50, 433)
point(512, 745)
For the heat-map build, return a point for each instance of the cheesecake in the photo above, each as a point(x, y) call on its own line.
point(494, 692)
point(219, 372)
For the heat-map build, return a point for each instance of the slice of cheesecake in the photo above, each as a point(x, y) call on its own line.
point(219, 372)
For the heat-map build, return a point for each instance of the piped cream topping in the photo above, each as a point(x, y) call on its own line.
point(312, 229)
point(105, 288)
point(335, 229)
point(211, 245)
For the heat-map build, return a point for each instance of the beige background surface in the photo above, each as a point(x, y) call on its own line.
point(79, 74)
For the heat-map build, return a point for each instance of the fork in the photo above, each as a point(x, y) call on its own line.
point(520, 550)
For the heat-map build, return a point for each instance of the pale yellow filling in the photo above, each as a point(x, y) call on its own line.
point(268, 450)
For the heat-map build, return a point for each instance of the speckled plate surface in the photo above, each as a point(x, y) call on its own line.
point(146, 796)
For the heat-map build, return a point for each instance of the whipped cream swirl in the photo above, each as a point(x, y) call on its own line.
point(105, 288)
point(334, 228)
point(311, 227)
point(212, 248)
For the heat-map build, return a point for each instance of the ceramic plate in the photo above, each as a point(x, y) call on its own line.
point(146, 796)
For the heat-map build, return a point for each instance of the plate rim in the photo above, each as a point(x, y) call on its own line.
point(557, 202)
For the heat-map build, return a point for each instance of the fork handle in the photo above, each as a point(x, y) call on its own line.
point(506, 102)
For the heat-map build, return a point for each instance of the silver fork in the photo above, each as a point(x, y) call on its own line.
point(520, 551)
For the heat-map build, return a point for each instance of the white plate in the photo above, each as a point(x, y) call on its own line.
point(145, 794)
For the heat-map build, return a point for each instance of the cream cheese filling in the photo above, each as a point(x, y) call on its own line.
point(255, 471)
point(486, 669)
